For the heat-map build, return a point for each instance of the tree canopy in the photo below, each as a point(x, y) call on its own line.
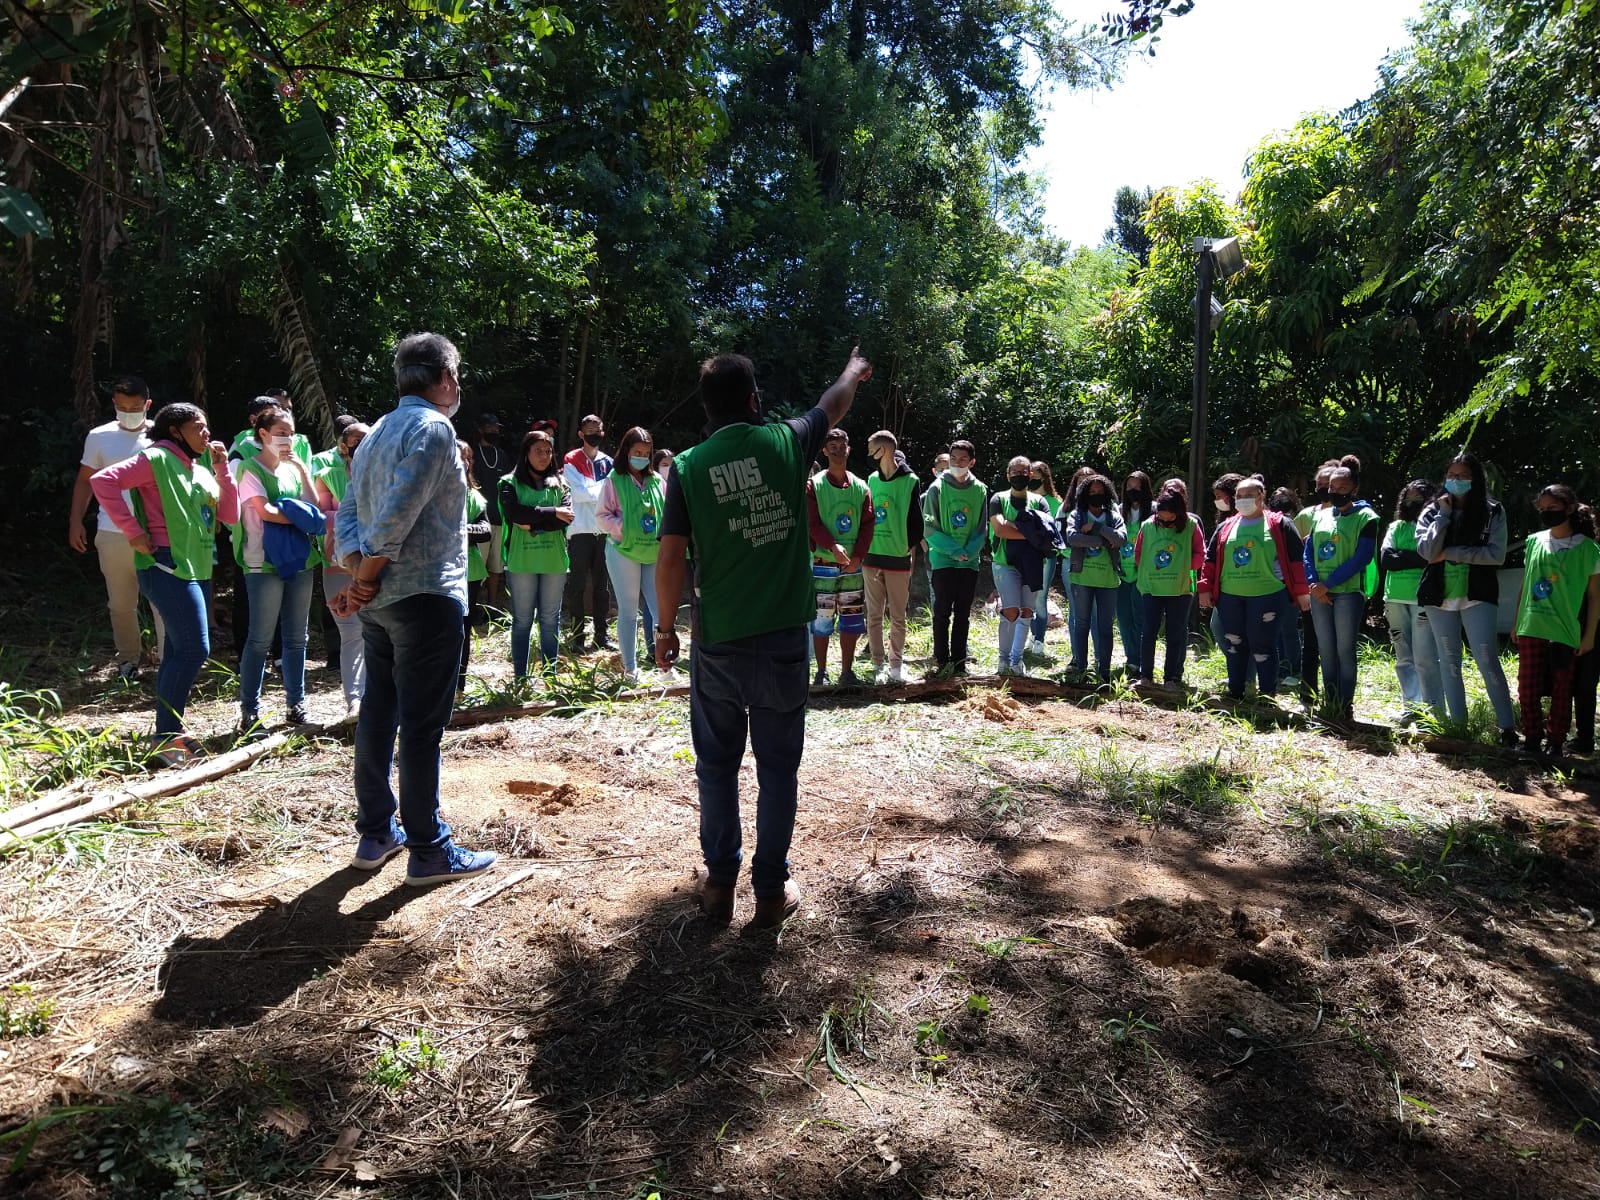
point(592, 197)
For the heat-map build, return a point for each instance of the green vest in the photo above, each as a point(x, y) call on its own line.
point(962, 511)
point(1009, 510)
point(745, 490)
point(1164, 562)
point(189, 506)
point(1101, 566)
point(840, 510)
point(891, 501)
point(1401, 586)
point(477, 569)
point(1553, 585)
point(641, 510)
point(334, 475)
point(284, 482)
point(1250, 558)
point(534, 553)
point(1304, 519)
point(1333, 542)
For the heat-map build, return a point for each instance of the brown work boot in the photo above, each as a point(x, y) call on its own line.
point(772, 911)
point(715, 899)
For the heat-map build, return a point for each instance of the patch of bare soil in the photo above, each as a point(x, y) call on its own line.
point(1013, 973)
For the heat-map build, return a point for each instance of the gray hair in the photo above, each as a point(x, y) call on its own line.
point(420, 361)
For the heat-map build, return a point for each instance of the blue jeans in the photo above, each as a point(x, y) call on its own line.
point(1174, 611)
point(183, 605)
point(413, 651)
point(1288, 635)
point(1096, 608)
point(1041, 599)
point(276, 603)
point(1425, 656)
point(532, 593)
point(1402, 619)
point(756, 685)
point(1250, 635)
point(1013, 633)
point(1478, 624)
point(1130, 622)
point(630, 581)
point(1338, 628)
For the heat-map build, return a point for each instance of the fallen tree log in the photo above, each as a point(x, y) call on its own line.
point(102, 803)
point(51, 801)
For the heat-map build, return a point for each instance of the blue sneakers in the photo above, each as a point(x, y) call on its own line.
point(372, 853)
point(446, 864)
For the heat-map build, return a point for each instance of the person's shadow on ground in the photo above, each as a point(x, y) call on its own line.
point(254, 966)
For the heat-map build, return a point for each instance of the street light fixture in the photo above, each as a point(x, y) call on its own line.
point(1218, 258)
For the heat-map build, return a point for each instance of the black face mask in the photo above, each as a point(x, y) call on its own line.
point(1136, 498)
point(1096, 503)
point(1341, 499)
point(1552, 519)
point(1411, 510)
point(591, 440)
point(1323, 495)
point(1019, 483)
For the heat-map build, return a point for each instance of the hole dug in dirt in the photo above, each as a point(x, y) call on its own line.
point(550, 798)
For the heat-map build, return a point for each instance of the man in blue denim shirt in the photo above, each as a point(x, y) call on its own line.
point(401, 533)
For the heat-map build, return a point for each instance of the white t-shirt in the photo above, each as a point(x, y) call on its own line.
point(250, 485)
point(108, 445)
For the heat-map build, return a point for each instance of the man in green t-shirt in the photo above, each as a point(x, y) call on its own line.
point(740, 498)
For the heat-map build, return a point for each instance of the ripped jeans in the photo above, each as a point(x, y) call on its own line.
point(1250, 639)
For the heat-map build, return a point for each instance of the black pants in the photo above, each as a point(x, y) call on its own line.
point(1585, 682)
point(588, 595)
point(1310, 654)
point(330, 627)
point(474, 598)
point(953, 590)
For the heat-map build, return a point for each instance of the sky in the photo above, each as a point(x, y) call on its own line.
point(1223, 77)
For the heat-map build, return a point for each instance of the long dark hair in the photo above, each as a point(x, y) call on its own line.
point(1579, 514)
point(1474, 508)
point(1088, 482)
point(1146, 489)
point(164, 425)
point(1422, 487)
point(1075, 483)
point(634, 436)
point(524, 472)
point(1047, 484)
point(469, 461)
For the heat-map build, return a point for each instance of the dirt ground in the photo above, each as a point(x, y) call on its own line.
point(1045, 949)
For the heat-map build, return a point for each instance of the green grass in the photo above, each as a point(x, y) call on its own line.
point(1207, 787)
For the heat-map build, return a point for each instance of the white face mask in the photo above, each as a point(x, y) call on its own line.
point(131, 420)
point(1224, 506)
point(959, 474)
point(451, 412)
point(283, 443)
point(1248, 507)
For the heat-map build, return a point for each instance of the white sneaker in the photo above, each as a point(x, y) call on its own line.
point(897, 674)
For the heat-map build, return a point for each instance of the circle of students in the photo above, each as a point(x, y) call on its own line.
point(1285, 584)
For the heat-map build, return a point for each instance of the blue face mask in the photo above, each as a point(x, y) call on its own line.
point(637, 463)
point(1458, 487)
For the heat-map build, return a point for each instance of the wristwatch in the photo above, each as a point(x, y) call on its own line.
point(660, 632)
